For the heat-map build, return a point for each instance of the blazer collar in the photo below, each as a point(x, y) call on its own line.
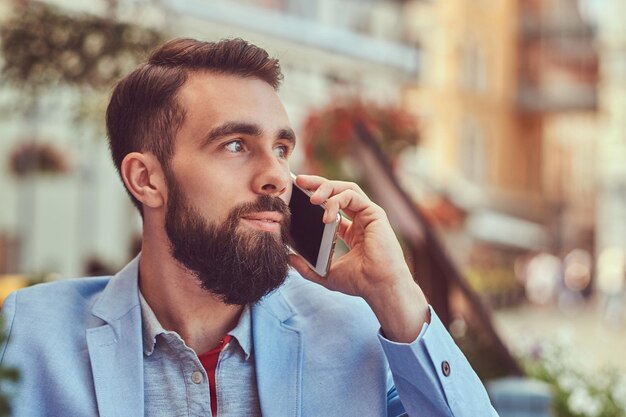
point(278, 355)
point(120, 295)
point(115, 348)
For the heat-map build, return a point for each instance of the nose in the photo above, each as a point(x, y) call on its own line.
point(272, 177)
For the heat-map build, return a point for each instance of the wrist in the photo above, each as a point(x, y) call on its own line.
point(401, 309)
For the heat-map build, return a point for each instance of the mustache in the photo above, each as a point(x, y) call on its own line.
point(263, 203)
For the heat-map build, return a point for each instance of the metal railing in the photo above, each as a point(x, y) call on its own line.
point(439, 278)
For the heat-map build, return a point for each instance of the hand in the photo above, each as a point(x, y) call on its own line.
point(374, 267)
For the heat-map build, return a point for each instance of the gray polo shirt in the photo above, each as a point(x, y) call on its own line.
point(176, 384)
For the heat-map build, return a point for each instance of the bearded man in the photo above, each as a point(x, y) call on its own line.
point(210, 319)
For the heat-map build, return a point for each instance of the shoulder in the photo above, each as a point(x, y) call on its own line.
point(313, 303)
point(45, 340)
point(56, 313)
point(79, 286)
point(42, 306)
point(63, 294)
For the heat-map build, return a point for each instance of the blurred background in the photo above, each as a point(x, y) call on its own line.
point(492, 131)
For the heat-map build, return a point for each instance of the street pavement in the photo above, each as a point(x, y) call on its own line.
point(588, 335)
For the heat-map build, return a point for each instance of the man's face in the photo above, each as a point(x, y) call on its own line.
point(228, 184)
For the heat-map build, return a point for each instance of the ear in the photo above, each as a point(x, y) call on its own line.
point(144, 178)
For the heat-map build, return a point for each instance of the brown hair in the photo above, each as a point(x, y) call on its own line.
point(144, 114)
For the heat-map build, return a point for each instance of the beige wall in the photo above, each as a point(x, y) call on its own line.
point(485, 99)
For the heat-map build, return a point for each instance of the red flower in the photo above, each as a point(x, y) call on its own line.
point(328, 132)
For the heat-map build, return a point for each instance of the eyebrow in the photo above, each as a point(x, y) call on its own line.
point(252, 129)
point(287, 134)
point(231, 128)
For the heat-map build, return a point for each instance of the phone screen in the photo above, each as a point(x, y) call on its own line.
point(307, 227)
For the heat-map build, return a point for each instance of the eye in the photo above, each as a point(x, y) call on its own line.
point(234, 146)
point(282, 151)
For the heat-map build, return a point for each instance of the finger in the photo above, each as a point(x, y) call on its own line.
point(343, 229)
point(330, 188)
point(309, 182)
point(323, 188)
point(300, 265)
point(344, 225)
point(327, 189)
point(351, 202)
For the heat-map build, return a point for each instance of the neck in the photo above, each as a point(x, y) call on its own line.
point(178, 301)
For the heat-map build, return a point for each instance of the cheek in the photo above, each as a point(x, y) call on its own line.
point(215, 199)
point(201, 179)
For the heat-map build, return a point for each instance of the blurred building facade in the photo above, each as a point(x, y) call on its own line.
point(508, 102)
point(611, 152)
point(558, 87)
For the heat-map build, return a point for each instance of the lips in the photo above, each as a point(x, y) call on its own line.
point(268, 221)
point(266, 216)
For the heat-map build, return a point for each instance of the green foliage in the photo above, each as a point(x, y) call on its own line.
point(579, 392)
point(492, 279)
point(496, 285)
point(43, 46)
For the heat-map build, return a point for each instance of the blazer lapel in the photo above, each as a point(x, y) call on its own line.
point(115, 348)
point(278, 356)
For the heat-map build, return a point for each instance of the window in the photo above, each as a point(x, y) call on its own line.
point(473, 162)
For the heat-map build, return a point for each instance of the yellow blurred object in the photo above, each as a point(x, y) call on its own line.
point(10, 283)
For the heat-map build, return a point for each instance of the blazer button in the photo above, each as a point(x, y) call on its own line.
point(445, 368)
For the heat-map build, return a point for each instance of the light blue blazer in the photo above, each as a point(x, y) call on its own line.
point(78, 346)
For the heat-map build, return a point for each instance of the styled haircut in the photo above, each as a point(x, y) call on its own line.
point(144, 114)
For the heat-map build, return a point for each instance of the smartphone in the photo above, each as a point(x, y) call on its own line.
point(311, 238)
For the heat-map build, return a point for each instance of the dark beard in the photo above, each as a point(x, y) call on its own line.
point(238, 266)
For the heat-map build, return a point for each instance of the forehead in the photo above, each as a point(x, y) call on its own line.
point(216, 98)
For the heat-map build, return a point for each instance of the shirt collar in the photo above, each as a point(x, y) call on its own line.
point(243, 331)
point(152, 328)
